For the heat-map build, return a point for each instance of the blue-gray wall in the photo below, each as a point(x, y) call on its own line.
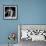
point(29, 12)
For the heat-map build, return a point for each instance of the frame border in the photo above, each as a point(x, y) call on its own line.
point(10, 6)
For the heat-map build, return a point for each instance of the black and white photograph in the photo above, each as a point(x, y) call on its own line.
point(32, 34)
point(10, 12)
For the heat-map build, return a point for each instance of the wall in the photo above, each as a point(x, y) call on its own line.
point(29, 12)
point(7, 26)
point(33, 12)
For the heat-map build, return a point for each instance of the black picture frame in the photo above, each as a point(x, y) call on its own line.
point(10, 12)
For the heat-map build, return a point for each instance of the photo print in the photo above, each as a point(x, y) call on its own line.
point(32, 32)
point(10, 12)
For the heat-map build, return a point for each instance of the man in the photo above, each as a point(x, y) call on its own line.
point(9, 12)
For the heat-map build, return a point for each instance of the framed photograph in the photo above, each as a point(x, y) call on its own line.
point(10, 12)
point(32, 32)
